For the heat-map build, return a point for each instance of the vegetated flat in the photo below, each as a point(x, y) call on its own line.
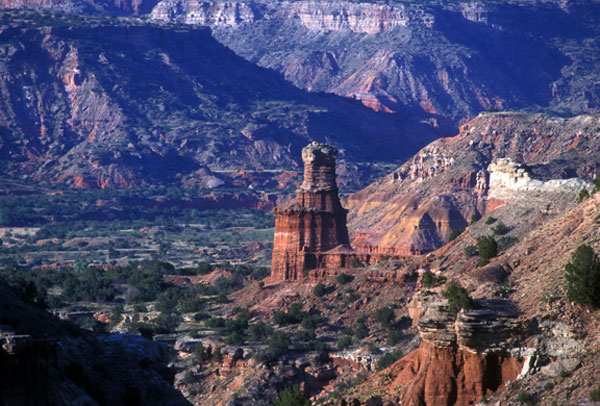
point(108, 227)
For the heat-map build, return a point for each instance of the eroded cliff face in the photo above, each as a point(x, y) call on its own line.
point(114, 7)
point(414, 209)
point(93, 103)
point(316, 16)
point(339, 16)
point(443, 62)
point(435, 376)
point(214, 14)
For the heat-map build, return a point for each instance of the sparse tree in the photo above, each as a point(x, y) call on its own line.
point(291, 396)
point(583, 277)
point(583, 194)
point(385, 316)
point(319, 290)
point(488, 248)
point(458, 297)
point(455, 233)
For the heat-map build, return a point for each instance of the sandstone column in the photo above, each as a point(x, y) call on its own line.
point(315, 222)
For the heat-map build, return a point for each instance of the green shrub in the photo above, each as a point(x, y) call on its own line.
point(189, 378)
point(487, 248)
point(310, 322)
point(319, 290)
point(200, 353)
point(583, 194)
point(458, 297)
point(277, 346)
point(192, 305)
point(429, 280)
point(595, 394)
point(259, 331)
point(548, 385)
point(239, 324)
point(215, 322)
point(455, 233)
point(500, 229)
point(140, 308)
point(293, 315)
point(596, 184)
point(344, 342)
point(291, 396)
point(506, 242)
point(201, 316)
point(475, 218)
point(393, 337)
point(166, 323)
point(385, 316)
point(360, 328)
point(583, 277)
point(204, 268)
point(306, 335)
point(525, 397)
point(490, 220)
point(470, 251)
point(235, 338)
point(388, 359)
point(343, 278)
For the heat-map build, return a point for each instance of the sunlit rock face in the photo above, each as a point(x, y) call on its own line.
point(313, 223)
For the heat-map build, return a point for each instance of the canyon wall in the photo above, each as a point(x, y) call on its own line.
point(495, 157)
point(142, 111)
point(113, 7)
point(444, 62)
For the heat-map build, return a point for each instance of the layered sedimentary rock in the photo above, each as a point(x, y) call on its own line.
point(112, 7)
point(463, 357)
point(310, 231)
point(430, 58)
point(221, 14)
point(497, 157)
point(69, 125)
point(440, 376)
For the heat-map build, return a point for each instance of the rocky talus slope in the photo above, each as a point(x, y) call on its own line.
point(45, 361)
point(444, 61)
point(522, 340)
point(496, 157)
point(522, 336)
point(97, 102)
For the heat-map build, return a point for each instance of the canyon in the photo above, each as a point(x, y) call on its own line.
point(423, 128)
point(441, 62)
point(141, 112)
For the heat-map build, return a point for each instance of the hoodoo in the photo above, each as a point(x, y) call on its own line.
point(311, 231)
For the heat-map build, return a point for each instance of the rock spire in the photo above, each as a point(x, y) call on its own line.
point(311, 231)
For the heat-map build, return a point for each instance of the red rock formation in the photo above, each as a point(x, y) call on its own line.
point(447, 376)
point(311, 232)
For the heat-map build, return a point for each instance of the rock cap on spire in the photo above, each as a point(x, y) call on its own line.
point(319, 167)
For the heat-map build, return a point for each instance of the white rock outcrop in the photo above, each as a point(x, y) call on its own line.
point(508, 177)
